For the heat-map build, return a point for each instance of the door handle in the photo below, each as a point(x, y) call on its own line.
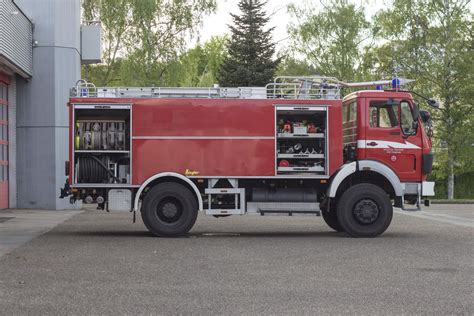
point(372, 144)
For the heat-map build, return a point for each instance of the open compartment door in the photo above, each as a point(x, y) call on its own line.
point(301, 140)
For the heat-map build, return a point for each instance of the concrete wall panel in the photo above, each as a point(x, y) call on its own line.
point(36, 168)
point(36, 100)
point(42, 115)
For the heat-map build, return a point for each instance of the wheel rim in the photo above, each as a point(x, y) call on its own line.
point(366, 211)
point(169, 210)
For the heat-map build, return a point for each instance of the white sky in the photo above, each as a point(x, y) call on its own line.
point(216, 24)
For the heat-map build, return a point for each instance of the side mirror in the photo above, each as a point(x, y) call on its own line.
point(433, 103)
point(425, 116)
point(416, 112)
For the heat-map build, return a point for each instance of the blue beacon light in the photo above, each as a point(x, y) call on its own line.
point(396, 83)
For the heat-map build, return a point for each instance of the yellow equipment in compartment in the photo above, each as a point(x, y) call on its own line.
point(100, 135)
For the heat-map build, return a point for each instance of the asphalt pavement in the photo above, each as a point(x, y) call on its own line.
point(100, 263)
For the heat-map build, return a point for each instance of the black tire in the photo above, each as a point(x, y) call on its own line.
point(169, 210)
point(364, 210)
point(330, 216)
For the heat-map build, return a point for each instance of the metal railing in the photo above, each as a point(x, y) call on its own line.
point(285, 87)
point(314, 87)
point(84, 89)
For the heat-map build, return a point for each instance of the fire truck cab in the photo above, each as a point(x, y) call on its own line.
point(294, 147)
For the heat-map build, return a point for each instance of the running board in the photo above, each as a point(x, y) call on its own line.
point(289, 213)
point(283, 208)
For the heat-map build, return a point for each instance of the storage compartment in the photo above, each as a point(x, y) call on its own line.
point(102, 139)
point(119, 200)
point(301, 146)
point(284, 195)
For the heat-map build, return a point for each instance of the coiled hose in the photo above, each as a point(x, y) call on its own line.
point(94, 170)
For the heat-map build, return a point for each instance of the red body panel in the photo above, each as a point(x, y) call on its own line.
point(203, 117)
point(212, 137)
point(217, 157)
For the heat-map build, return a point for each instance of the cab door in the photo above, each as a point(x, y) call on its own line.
point(391, 138)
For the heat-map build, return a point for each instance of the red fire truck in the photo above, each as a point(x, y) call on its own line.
point(292, 147)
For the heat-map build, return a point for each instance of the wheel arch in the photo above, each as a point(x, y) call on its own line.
point(381, 174)
point(168, 177)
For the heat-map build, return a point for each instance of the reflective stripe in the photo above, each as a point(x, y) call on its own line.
point(203, 137)
point(386, 144)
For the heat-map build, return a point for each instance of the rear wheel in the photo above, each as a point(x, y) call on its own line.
point(364, 210)
point(330, 216)
point(169, 209)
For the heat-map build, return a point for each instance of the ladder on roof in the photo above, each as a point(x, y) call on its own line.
point(84, 89)
point(285, 87)
point(297, 87)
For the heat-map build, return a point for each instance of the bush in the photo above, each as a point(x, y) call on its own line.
point(463, 186)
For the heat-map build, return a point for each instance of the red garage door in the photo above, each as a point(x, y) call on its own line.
point(4, 81)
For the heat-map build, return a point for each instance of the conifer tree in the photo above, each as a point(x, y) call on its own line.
point(250, 60)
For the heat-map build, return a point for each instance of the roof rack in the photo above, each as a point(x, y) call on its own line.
point(297, 87)
point(284, 87)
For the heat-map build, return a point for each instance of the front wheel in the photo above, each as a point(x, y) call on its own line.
point(364, 210)
point(169, 209)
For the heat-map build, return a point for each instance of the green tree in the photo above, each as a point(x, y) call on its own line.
point(147, 33)
point(199, 66)
point(432, 41)
point(292, 66)
point(251, 50)
point(330, 39)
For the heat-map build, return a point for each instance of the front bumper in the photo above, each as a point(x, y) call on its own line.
point(425, 188)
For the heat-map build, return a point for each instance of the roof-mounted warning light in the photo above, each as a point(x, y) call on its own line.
point(394, 83)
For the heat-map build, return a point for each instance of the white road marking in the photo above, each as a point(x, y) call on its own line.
point(454, 220)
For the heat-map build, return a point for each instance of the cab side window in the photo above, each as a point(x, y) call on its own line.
point(349, 112)
point(383, 114)
point(353, 111)
point(345, 113)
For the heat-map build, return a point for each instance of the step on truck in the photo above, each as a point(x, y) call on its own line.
point(294, 147)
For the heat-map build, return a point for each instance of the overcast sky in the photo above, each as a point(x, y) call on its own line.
point(216, 24)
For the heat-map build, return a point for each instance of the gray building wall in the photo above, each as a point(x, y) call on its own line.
point(42, 114)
